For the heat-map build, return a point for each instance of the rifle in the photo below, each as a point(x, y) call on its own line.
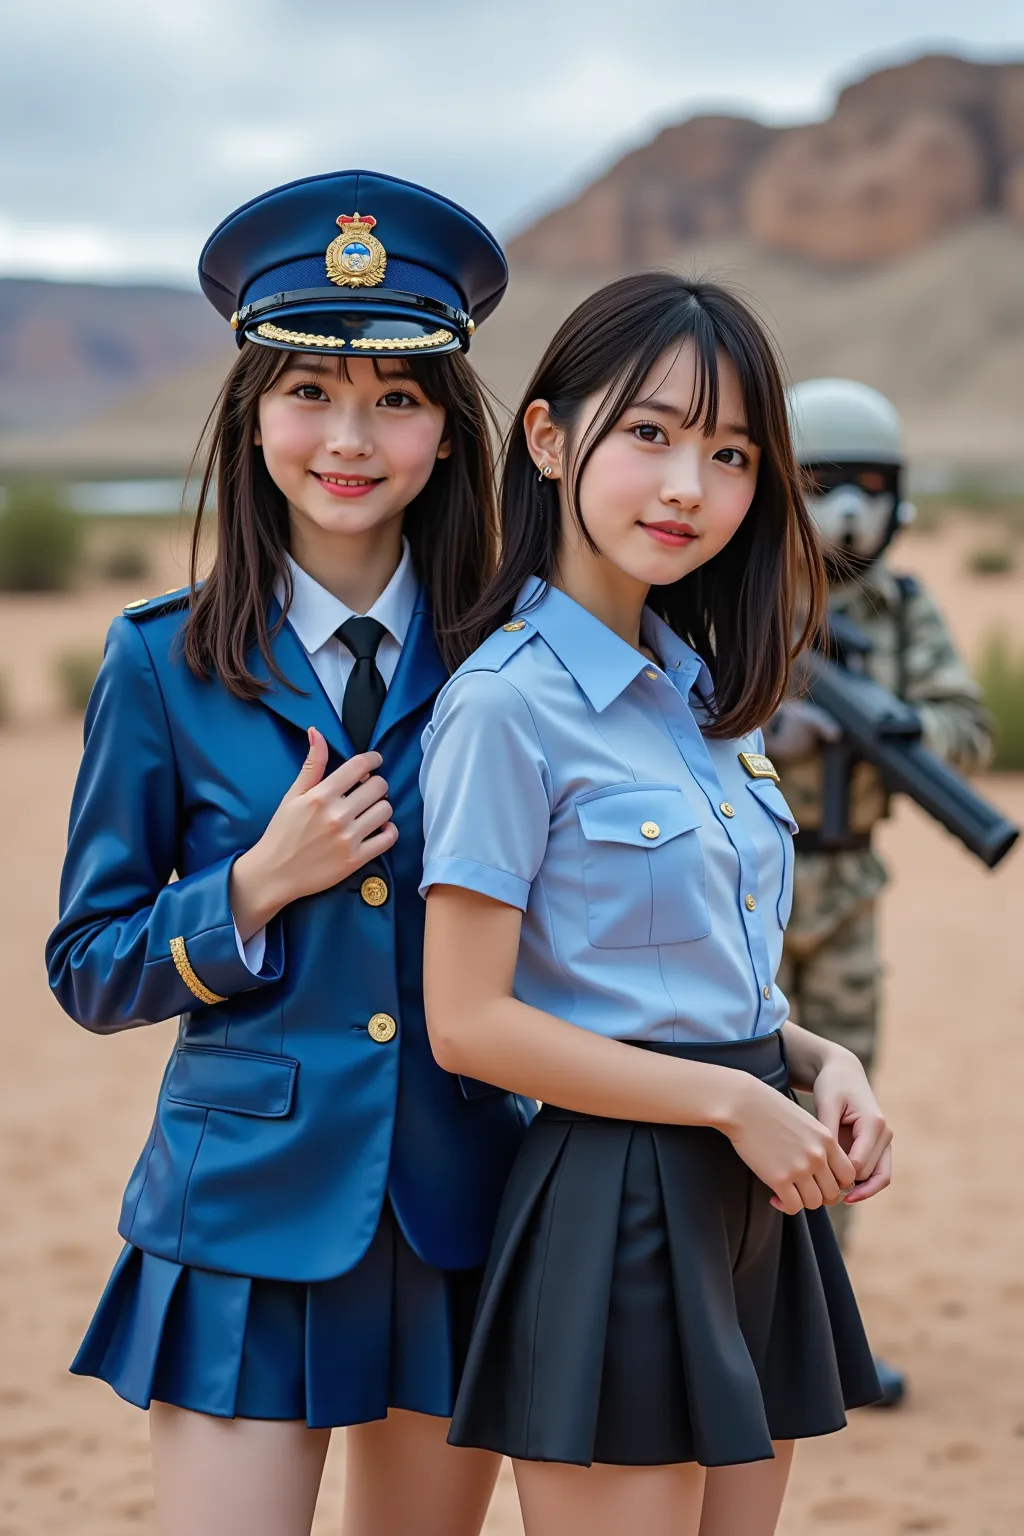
point(883, 730)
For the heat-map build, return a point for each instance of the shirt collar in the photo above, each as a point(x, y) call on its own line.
point(315, 614)
point(600, 662)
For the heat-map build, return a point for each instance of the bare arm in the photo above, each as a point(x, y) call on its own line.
point(477, 1027)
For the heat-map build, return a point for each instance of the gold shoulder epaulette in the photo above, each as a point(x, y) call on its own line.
point(145, 607)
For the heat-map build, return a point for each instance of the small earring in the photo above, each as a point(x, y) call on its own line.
point(545, 473)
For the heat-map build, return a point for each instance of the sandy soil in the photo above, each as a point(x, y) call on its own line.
point(938, 1262)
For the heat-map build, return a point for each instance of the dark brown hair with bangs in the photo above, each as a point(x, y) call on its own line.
point(451, 525)
point(755, 604)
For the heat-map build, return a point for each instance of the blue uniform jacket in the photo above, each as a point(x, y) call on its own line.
point(281, 1122)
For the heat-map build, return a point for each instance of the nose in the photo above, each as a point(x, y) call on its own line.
point(682, 486)
point(348, 432)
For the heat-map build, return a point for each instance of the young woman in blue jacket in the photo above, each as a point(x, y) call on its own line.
point(305, 1227)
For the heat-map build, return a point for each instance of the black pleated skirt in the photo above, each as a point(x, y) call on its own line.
point(645, 1304)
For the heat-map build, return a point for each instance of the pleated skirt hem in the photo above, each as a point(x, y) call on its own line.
point(392, 1333)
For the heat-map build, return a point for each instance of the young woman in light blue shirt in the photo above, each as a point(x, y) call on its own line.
point(609, 869)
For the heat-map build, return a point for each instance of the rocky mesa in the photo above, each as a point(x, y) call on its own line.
point(909, 153)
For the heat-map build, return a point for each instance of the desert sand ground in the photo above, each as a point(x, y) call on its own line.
point(938, 1262)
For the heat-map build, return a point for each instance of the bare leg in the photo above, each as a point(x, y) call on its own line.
point(401, 1477)
point(558, 1500)
point(234, 1477)
point(747, 1498)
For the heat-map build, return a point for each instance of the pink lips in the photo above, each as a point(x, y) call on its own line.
point(673, 535)
point(362, 488)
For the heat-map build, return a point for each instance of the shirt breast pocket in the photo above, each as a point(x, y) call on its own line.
point(643, 869)
point(777, 876)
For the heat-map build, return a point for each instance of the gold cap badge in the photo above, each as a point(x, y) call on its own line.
point(356, 259)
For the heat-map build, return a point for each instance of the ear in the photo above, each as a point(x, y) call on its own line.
point(543, 439)
point(444, 449)
point(257, 438)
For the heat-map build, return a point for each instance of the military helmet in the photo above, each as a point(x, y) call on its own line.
point(848, 440)
point(838, 421)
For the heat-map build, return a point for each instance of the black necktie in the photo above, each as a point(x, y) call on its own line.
point(365, 690)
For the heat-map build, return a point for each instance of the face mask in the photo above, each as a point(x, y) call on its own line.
point(855, 508)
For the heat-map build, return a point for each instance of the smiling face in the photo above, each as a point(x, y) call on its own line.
point(349, 445)
point(658, 497)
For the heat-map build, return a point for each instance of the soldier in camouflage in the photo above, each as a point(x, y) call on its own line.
point(848, 440)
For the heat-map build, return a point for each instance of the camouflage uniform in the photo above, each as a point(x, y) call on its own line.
point(830, 970)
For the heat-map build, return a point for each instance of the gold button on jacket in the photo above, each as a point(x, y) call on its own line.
point(382, 1028)
point(374, 891)
point(749, 903)
point(727, 809)
point(650, 829)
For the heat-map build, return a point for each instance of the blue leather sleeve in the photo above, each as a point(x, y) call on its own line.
point(109, 958)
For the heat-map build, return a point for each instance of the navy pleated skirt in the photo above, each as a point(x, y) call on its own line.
point(392, 1333)
point(645, 1304)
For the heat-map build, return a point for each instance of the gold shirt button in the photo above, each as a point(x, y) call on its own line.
point(726, 809)
point(650, 829)
point(767, 994)
point(650, 672)
point(749, 903)
point(382, 1028)
point(510, 629)
point(374, 891)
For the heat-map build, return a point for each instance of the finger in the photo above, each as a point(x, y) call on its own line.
point(351, 806)
point(871, 1136)
point(842, 1169)
point(312, 770)
point(352, 772)
point(879, 1180)
point(829, 1110)
point(829, 1187)
point(379, 843)
point(787, 1199)
point(372, 819)
point(810, 1192)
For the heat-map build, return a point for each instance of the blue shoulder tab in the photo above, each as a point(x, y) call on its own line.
point(147, 607)
point(496, 650)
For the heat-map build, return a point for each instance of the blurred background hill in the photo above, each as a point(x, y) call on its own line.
point(886, 242)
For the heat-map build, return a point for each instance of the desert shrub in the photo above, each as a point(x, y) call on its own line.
point(1002, 676)
point(991, 560)
point(76, 672)
point(125, 562)
point(40, 539)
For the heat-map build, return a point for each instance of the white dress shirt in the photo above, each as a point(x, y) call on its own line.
point(315, 614)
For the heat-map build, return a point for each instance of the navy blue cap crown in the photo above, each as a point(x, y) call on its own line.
point(353, 262)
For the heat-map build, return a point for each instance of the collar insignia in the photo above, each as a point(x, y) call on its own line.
point(356, 259)
point(759, 767)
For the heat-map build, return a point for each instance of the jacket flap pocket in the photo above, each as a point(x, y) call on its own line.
point(642, 815)
point(772, 798)
point(242, 1082)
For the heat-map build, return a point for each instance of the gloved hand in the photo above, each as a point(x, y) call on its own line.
point(799, 729)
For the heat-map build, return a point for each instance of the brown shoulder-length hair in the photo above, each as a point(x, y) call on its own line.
point(755, 604)
point(451, 525)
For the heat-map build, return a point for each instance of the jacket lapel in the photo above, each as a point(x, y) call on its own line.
point(310, 706)
point(420, 674)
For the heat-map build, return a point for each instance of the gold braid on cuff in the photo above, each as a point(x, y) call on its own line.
point(179, 954)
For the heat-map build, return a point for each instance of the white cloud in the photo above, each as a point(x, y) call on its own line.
point(127, 132)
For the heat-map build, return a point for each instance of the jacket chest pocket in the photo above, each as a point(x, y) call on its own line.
point(777, 875)
point(643, 869)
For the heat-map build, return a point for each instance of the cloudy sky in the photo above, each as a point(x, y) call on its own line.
point(127, 131)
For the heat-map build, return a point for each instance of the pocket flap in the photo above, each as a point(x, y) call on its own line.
point(242, 1082)
point(642, 815)
point(772, 798)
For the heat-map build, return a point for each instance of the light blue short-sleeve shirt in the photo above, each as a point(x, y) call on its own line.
point(567, 775)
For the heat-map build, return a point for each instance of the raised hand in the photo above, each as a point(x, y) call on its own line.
point(323, 830)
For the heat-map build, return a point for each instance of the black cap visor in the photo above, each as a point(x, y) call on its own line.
point(380, 329)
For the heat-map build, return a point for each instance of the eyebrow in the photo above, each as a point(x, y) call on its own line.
point(663, 408)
